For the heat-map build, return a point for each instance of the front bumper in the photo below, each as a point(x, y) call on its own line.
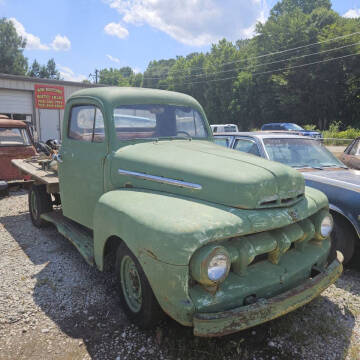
point(227, 322)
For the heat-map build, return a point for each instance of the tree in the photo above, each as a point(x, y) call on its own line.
point(126, 71)
point(113, 77)
point(34, 70)
point(48, 71)
point(51, 70)
point(291, 71)
point(306, 6)
point(12, 60)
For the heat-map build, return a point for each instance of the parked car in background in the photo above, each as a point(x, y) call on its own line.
point(15, 143)
point(321, 169)
point(351, 155)
point(224, 128)
point(296, 129)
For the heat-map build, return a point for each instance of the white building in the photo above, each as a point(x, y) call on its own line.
point(40, 102)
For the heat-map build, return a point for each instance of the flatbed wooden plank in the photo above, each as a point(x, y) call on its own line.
point(34, 169)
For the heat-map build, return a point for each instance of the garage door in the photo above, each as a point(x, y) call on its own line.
point(16, 102)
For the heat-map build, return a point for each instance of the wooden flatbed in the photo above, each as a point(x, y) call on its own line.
point(33, 168)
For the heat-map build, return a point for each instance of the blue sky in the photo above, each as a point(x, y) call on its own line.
point(82, 35)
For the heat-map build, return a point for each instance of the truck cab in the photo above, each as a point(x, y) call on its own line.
point(217, 239)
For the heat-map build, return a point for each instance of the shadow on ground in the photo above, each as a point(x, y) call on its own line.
point(83, 303)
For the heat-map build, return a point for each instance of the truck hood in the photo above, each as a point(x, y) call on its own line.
point(206, 171)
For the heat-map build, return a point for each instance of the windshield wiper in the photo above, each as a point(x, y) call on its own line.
point(334, 165)
point(307, 167)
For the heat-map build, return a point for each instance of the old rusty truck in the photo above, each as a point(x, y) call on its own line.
point(217, 239)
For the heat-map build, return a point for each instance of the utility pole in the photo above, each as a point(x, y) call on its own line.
point(95, 76)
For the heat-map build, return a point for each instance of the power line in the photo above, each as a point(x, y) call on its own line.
point(284, 51)
point(276, 70)
point(262, 64)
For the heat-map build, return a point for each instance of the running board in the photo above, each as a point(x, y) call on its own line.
point(78, 235)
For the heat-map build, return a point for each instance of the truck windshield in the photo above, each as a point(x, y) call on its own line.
point(300, 153)
point(158, 121)
point(13, 136)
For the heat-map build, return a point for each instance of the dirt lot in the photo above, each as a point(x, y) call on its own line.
point(54, 306)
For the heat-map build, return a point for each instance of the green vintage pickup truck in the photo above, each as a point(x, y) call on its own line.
point(217, 239)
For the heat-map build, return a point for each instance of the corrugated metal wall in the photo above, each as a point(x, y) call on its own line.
point(16, 101)
point(17, 96)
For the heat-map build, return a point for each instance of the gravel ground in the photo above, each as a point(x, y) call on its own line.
point(54, 306)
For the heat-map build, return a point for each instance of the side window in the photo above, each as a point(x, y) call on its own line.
point(221, 141)
point(355, 150)
point(86, 124)
point(189, 122)
point(99, 128)
point(248, 146)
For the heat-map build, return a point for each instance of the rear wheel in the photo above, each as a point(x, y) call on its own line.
point(343, 238)
point(136, 296)
point(39, 203)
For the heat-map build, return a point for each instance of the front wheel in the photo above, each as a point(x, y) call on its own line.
point(39, 202)
point(136, 295)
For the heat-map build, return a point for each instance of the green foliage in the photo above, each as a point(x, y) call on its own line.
point(334, 131)
point(239, 83)
point(124, 76)
point(310, 127)
point(12, 60)
point(48, 71)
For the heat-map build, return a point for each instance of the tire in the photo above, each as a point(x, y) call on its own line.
point(39, 203)
point(342, 238)
point(136, 296)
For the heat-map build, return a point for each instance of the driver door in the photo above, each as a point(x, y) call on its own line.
point(81, 172)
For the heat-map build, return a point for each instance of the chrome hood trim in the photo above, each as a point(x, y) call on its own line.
point(161, 179)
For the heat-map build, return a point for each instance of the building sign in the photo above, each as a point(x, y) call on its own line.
point(49, 97)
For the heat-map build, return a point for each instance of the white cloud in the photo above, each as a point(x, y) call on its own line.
point(352, 13)
point(116, 29)
point(68, 75)
point(195, 22)
point(32, 42)
point(60, 43)
point(113, 58)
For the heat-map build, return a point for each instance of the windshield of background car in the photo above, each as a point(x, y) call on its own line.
point(158, 121)
point(13, 136)
point(293, 127)
point(230, 128)
point(300, 153)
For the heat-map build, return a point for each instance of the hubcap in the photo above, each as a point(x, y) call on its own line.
point(130, 284)
point(33, 204)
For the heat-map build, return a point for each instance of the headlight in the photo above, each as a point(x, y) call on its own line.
point(210, 265)
point(326, 226)
point(218, 267)
point(323, 223)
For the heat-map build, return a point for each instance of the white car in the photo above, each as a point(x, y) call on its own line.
point(220, 128)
